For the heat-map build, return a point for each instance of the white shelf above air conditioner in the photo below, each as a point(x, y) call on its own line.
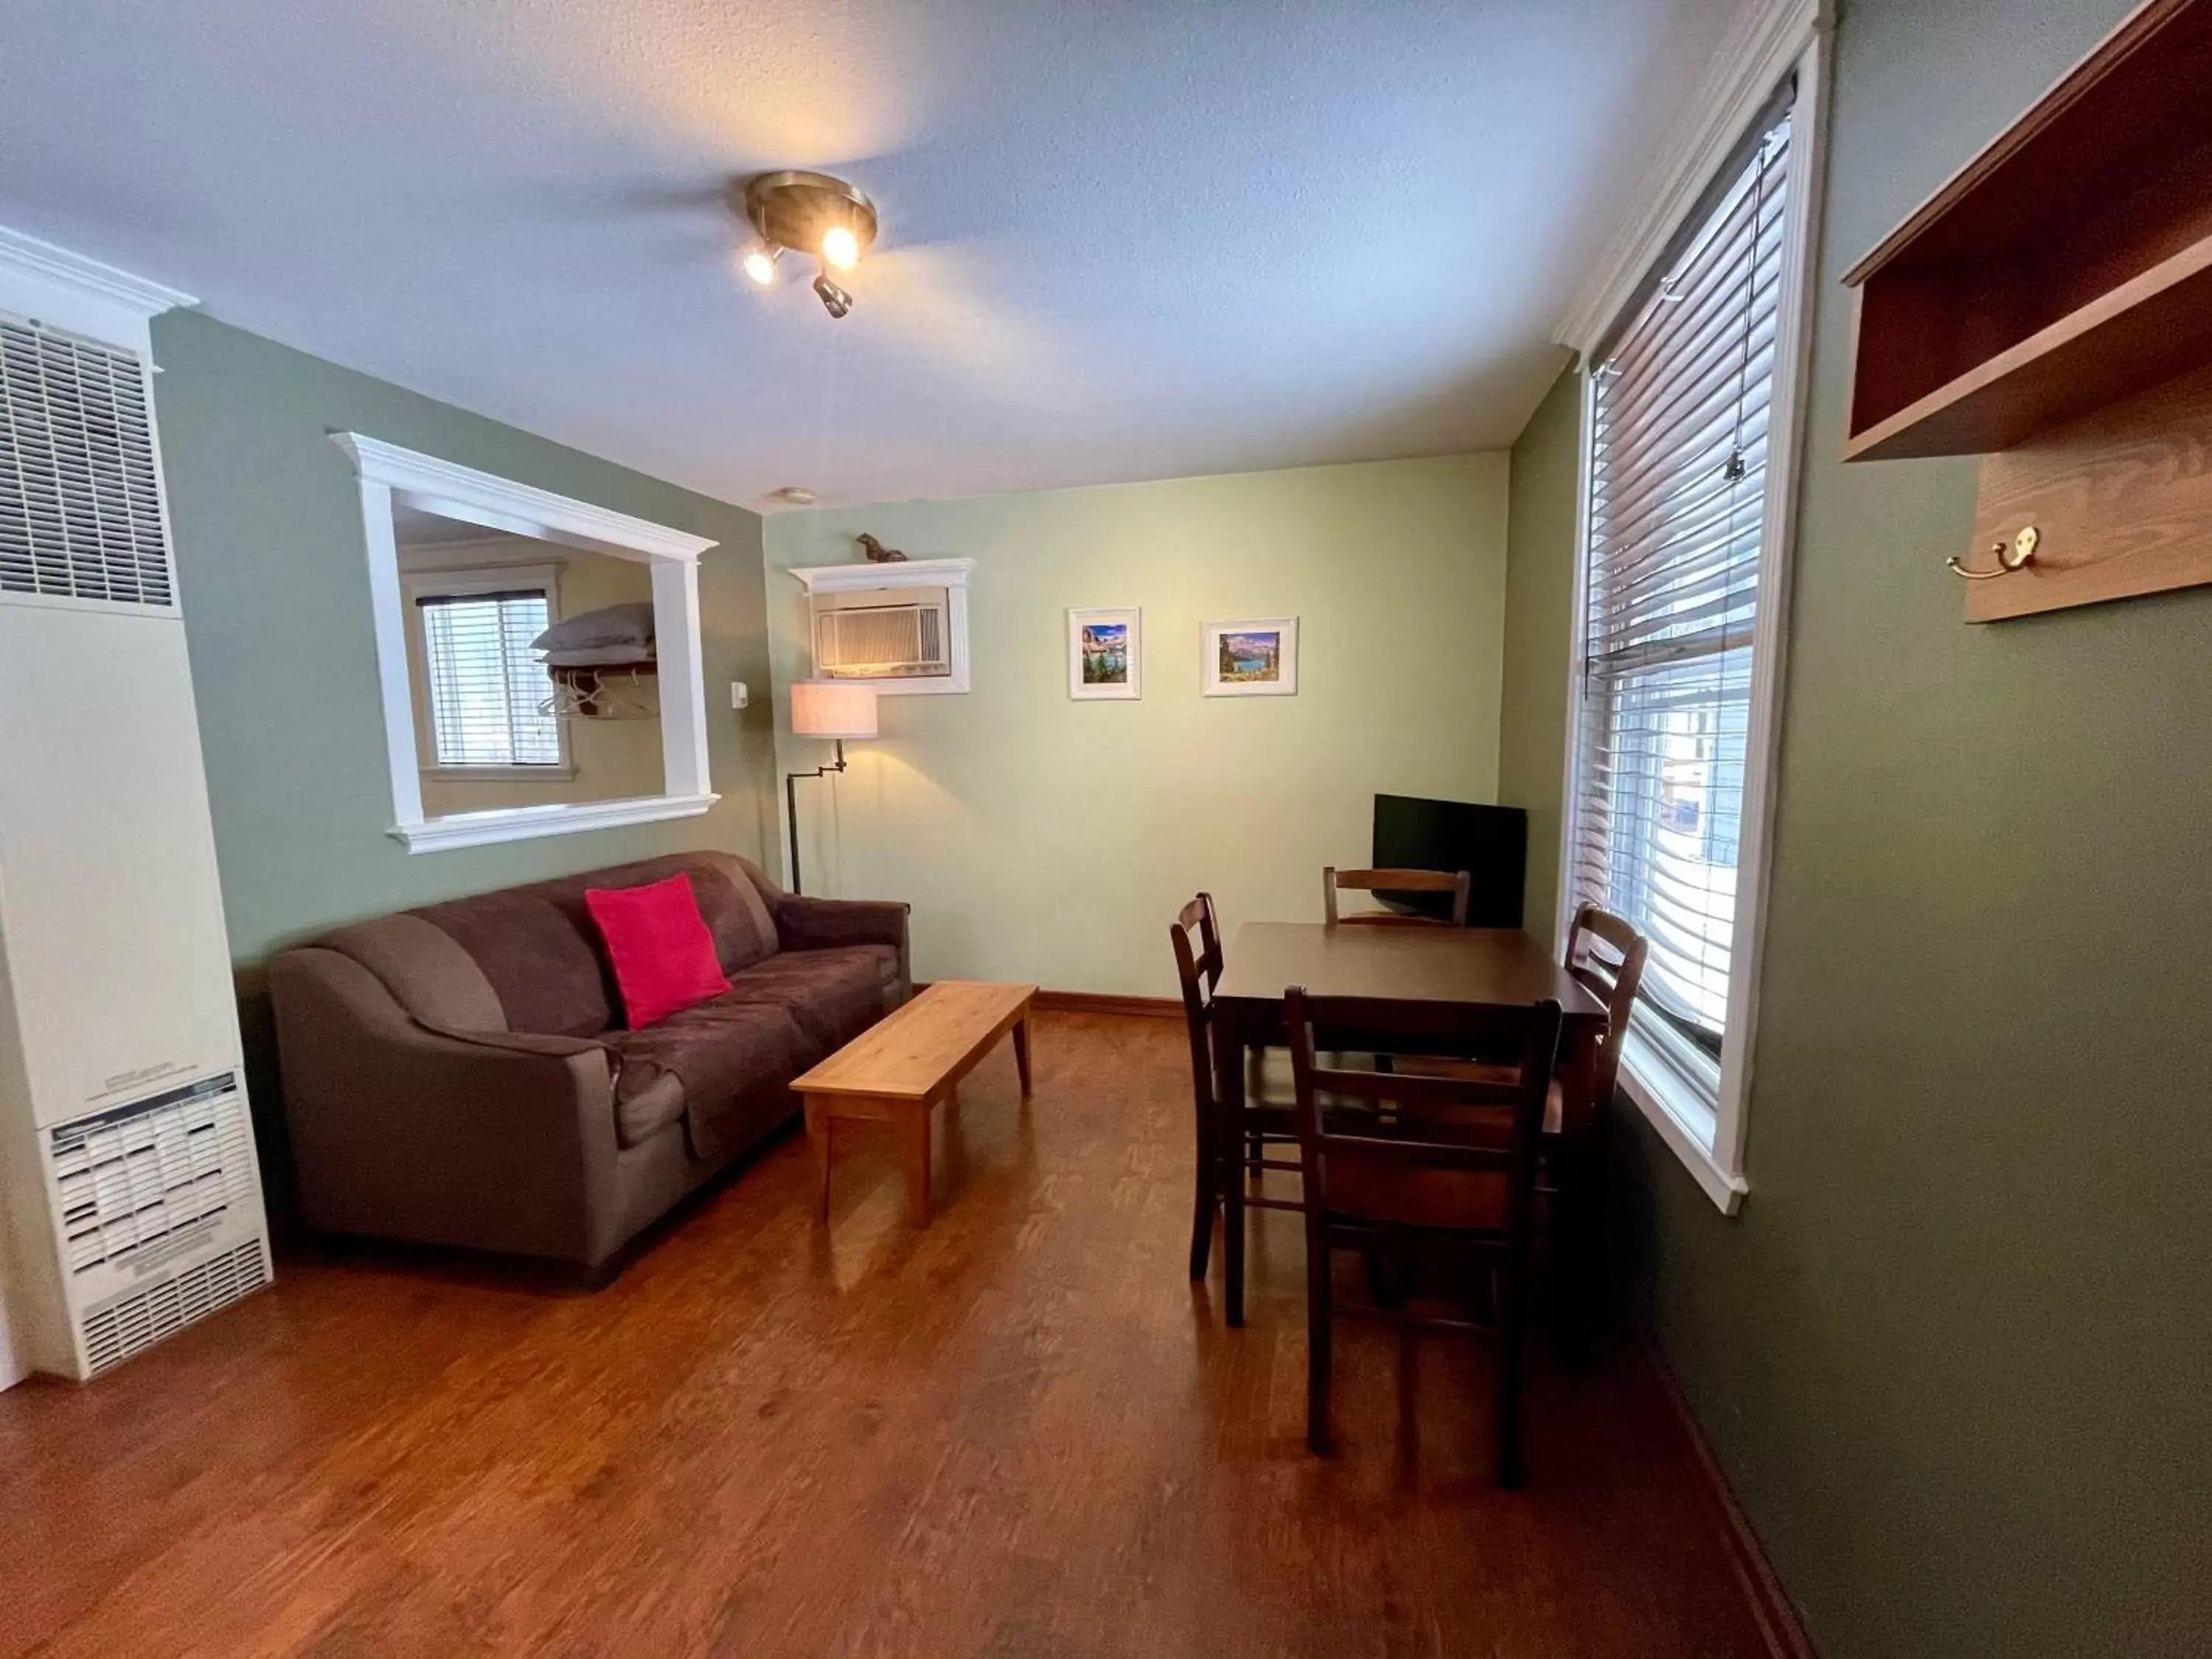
point(901, 626)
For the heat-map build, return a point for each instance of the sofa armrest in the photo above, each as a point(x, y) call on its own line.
point(492, 1140)
point(819, 924)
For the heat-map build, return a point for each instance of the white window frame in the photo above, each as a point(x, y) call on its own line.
point(1772, 41)
point(392, 475)
point(459, 583)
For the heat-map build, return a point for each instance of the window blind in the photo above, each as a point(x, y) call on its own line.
point(487, 687)
point(1678, 483)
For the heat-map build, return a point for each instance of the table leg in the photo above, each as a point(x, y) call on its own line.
point(913, 1153)
point(821, 1130)
point(1022, 1050)
point(1228, 1160)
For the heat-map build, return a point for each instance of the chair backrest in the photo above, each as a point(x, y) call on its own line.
point(1339, 1156)
point(1195, 936)
point(1606, 954)
point(1334, 881)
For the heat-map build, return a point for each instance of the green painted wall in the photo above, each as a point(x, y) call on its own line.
point(1540, 594)
point(1043, 838)
point(1953, 1353)
point(275, 581)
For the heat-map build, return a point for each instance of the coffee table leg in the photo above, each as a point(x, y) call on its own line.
point(821, 1130)
point(914, 1152)
point(1022, 1050)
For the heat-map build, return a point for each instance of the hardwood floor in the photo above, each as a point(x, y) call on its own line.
point(1022, 1432)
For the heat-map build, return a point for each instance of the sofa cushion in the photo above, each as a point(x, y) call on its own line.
point(835, 995)
point(545, 967)
point(663, 955)
point(426, 971)
point(734, 1060)
point(538, 947)
point(731, 905)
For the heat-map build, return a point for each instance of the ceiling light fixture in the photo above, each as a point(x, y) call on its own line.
point(814, 213)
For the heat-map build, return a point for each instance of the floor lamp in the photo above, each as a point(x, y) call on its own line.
point(825, 708)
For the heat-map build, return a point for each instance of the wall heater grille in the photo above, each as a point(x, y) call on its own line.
point(112, 1333)
point(143, 1182)
point(79, 493)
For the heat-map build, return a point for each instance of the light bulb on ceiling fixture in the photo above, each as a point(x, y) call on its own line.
point(835, 300)
point(760, 264)
point(841, 247)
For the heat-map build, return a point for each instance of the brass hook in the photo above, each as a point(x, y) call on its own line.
point(2012, 555)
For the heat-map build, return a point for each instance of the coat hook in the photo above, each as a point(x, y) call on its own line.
point(2012, 555)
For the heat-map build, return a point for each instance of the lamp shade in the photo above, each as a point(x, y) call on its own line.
point(833, 708)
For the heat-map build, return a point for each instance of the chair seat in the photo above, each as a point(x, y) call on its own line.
point(1555, 1100)
point(1461, 1200)
point(1271, 1099)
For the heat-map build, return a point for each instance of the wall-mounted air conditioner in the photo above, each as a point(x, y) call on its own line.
point(901, 626)
point(882, 634)
point(127, 1168)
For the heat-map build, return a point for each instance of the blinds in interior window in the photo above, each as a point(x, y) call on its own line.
point(487, 687)
point(1677, 480)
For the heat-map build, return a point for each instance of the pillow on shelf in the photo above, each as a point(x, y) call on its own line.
point(663, 955)
point(611, 624)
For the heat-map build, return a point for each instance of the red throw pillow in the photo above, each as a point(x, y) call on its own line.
point(663, 957)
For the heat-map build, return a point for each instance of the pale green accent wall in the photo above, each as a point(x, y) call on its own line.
point(1953, 1353)
point(1043, 838)
point(275, 581)
point(1539, 590)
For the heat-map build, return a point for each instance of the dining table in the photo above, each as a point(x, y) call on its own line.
point(1469, 967)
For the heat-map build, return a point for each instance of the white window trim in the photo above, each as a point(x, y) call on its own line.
point(389, 474)
point(420, 585)
point(1772, 40)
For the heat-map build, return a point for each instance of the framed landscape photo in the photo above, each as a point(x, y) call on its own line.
point(1105, 651)
point(1257, 659)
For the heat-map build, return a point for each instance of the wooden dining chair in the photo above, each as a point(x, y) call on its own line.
point(1402, 1177)
point(1605, 954)
point(1227, 1152)
point(1334, 881)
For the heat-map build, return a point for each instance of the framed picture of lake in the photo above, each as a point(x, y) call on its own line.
point(1252, 658)
point(1105, 648)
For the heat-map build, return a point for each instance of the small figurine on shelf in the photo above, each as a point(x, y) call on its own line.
point(878, 553)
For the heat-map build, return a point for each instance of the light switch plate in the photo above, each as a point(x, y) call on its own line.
point(738, 695)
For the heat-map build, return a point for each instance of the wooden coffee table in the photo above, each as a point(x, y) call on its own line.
point(896, 1070)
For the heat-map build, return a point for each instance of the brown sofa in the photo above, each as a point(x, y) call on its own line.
point(458, 1074)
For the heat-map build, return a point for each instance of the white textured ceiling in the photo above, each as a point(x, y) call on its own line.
point(1122, 241)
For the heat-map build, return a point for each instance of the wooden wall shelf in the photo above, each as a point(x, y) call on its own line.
point(2063, 275)
point(2122, 342)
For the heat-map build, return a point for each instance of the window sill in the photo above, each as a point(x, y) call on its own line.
point(1684, 1122)
point(529, 822)
point(499, 774)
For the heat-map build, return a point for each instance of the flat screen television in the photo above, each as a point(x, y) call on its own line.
point(1490, 843)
